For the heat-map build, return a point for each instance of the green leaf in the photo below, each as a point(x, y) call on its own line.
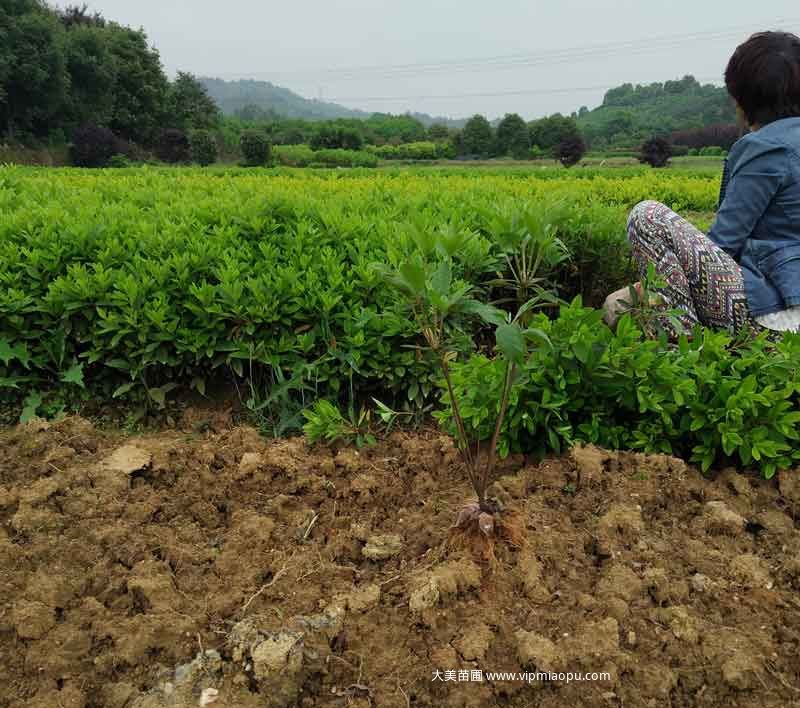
point(442, 279)
point(30, 406)
point(122, 390)
point(539, 335)
point(413, 273)
point(488, 313)
point(18, 352)
point(511, 342)
point(74, 375)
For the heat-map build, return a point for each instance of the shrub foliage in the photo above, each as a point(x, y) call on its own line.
point(273, 277)
point(173, 146)
point(655, 152)
point(94, 146)
point(203, 147)
point(571, 150)
point(711, 399)
point(256, 148)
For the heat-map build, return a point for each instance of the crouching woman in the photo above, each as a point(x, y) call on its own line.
point(746, 272)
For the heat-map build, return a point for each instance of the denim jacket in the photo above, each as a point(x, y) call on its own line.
point(758, 218)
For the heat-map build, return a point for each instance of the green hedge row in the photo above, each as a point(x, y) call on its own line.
point(151, 277)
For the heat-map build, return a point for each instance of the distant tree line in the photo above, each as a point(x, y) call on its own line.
point(511, 137)
point(71, 76)
point(631, 114)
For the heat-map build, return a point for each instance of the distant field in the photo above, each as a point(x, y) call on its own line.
point(692, 164)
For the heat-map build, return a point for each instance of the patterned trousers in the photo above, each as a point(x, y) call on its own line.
point(704, 284)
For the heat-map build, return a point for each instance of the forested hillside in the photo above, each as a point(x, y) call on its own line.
point(631, 113)
point(260, 100)
point(269, 100)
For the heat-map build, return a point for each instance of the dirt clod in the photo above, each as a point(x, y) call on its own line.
point(719, 519)
point(383, 546)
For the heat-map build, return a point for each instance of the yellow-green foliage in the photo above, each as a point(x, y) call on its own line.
point(152, 276)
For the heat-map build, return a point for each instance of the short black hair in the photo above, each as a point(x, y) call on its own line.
point(763, 75)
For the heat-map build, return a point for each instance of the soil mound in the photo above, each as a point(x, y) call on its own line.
point(216, 568)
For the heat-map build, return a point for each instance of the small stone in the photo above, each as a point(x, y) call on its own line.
point(208, 696)
point(424, 597)
point(250, 463)
point(182, 672)
point(382, 546)
point(719, 519)
point(632, 638)
point(683, 625)
point(280, 654)
point(363, 599)
point(700, 582)
point(128, 459)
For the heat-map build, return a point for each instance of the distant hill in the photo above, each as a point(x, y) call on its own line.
point(232, 96)
point(631, 113)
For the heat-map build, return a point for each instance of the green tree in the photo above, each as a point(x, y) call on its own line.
point(477, 136)
point(141, 87)
point(438, 133)
point(548, 132)
point(513, 137)
point(91, 74)
point(189, 106)
point(33, 75)
point(381, 128)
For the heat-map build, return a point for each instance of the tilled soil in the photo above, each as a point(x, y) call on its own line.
point(187, 568)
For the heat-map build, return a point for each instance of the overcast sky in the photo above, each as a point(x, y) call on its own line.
point(452, 57)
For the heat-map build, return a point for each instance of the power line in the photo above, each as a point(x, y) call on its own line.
point(491, 94)
point(512, 61)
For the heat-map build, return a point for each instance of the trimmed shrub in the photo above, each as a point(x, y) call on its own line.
point(655, 152)
point(722, 135)
point(93, 146)
point(571, 150)
point(333, 138)
point(203, 147)
point(424, 150)
point(256, 148)
point(173, 146)
point(304, 156)
point(345, 158)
